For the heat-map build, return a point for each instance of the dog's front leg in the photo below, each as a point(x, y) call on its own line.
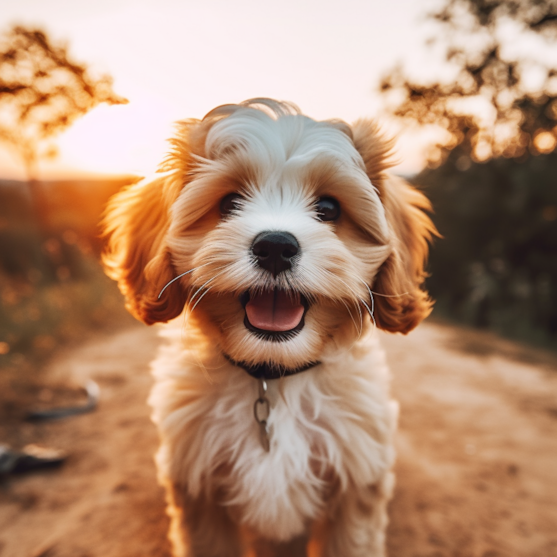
point(200, 527)
point(358, 525)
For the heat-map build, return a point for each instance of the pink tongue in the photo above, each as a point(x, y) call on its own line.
point(274, 311)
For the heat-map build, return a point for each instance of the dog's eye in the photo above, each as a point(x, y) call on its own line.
point(328, 209)
point(230, 203)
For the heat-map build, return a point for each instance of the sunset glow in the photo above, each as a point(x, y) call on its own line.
point(175, 60)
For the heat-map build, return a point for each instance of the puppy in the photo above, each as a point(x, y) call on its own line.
point(284, 244)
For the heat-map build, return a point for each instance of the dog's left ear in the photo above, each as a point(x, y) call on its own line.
point(400, 303)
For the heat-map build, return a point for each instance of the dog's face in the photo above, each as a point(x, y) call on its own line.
point(282, 228)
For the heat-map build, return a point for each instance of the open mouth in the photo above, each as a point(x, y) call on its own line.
point(274, 314)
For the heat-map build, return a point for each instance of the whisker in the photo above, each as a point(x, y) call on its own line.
point(372, 310)
point(352, 318)
point(359, 329)
point(178, 277)
point(199, 300)
point(389, 295)
point(361, 319)
point(206, 283)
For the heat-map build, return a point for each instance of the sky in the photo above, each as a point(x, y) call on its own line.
point(177, 59)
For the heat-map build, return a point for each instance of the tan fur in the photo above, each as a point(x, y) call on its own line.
point(402, 303)
point(136, 255)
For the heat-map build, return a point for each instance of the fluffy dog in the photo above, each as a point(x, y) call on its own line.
point(285, 244)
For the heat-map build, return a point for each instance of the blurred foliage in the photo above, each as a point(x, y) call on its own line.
point(499, 100)
point(52, 288)
point(42, 92)
point(492, 177)
point(497, 264)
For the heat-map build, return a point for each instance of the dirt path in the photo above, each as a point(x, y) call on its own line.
point(476, 471)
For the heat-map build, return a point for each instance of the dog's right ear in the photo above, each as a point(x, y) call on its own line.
point(136, 222)
point(135, 225)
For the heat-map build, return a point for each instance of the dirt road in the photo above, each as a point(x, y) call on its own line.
point(476, 470)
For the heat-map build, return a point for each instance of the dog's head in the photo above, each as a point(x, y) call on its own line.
point(286, 233)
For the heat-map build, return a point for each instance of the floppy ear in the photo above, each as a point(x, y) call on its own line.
point(136, 222)
point(135, 225)
point(401, 303)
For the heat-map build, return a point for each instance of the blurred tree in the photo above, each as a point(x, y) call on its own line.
point(492, 176)
point(500, 100)
point(42, 92)
point(496, 265)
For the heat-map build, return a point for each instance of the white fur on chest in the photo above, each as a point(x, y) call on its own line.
point(330, 426)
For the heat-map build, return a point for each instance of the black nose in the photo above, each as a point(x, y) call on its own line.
point(274, 251)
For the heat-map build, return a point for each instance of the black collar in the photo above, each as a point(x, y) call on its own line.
point(268, 370)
